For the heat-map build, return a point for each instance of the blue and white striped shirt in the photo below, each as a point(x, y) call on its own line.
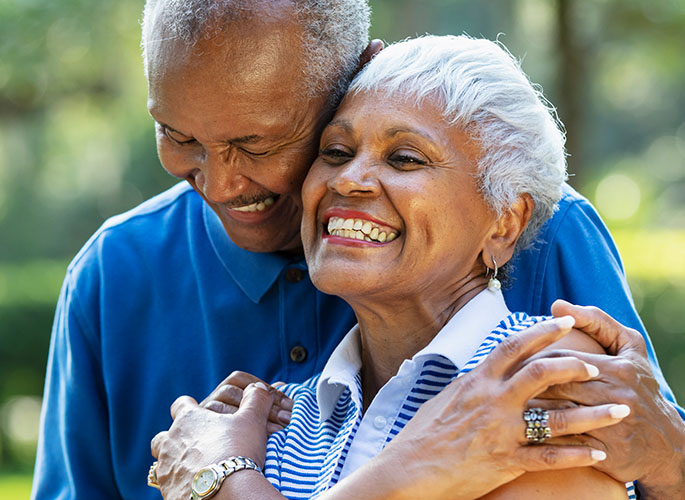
point(328, 437)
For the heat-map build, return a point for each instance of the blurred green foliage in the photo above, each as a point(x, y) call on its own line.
point(77, 146)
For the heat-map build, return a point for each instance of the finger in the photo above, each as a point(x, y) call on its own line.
point(182, 405)
point(550, 403)
point(257, 401)
point(611, 334)
point(220, 407)
point(278, 415)
point(579, 420)
point(515, 348)
point(229, 394)
point(272, 428)
point(548, 457)
point(156, 443)
point(278, 385)
point(238, 379)
point(537, 376)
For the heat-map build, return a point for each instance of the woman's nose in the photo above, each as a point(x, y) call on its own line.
point(355, 178)
point(219, 178)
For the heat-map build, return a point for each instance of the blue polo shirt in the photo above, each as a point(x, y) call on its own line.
point(159, 303)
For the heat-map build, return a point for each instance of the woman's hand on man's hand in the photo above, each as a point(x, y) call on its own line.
point(470, 438)
point(233, 420)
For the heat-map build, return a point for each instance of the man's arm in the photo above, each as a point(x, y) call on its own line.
point(73, 459)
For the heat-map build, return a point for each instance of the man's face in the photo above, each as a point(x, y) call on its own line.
point(230, 120)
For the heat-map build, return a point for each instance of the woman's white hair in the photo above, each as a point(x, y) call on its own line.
point(335, 32)
point(482, 89)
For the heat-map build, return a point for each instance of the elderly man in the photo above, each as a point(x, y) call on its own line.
point(208, 277)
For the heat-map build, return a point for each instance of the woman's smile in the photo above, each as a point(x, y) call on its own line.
point(346, 226)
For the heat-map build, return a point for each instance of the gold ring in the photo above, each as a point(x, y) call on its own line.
point(152, 476)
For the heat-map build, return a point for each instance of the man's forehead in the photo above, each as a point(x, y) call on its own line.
point(246, 54)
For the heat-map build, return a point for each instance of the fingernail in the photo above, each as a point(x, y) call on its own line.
point(619, 411)
point(598, 455)
point(592, 370)
point(284, 416)
point(261, 385)
point(286, 404)
point(566, 321)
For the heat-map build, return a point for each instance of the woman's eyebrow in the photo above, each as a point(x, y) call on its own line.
point(393, 131)
point(343, 124)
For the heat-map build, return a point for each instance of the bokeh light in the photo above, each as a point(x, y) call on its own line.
point(617, 197)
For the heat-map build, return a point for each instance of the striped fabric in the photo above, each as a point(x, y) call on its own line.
point(307, 457)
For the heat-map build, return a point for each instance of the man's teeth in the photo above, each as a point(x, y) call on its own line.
point(256, 207)
point(358, 229)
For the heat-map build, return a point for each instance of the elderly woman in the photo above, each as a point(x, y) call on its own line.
point(441, 161)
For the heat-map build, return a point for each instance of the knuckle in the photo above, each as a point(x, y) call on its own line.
point(511, 346)
point(537, 370)
point(558, 422)
point(550, 456)
point(235, 376)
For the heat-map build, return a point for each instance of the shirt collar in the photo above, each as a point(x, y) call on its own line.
point(254, 272)
point(465, 331)
point(457, 341)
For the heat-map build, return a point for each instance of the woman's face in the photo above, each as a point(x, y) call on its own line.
point(391, 204)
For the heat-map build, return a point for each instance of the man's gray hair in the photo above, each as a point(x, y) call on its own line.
point(482, 89)
point(335, 32)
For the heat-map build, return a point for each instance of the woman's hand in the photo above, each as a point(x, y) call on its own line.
point(469, 439)
point(199, 437)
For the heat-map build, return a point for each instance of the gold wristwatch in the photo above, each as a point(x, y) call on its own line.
point(208, 480)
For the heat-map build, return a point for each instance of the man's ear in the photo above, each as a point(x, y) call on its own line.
point(373, 48)
point(507, 231)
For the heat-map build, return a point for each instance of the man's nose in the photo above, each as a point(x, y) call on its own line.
point(219, 177)
point(355, 178)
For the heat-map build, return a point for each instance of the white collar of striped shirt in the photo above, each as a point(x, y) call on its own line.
point(457, 341)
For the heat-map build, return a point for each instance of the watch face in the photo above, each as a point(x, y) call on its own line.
point(204, 481)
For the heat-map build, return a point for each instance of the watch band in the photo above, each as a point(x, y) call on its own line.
point(219, 472)
point(234, 464)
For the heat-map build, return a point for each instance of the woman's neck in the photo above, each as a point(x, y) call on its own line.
point(396, 330)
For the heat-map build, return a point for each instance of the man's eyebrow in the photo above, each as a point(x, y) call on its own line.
point(247, 139)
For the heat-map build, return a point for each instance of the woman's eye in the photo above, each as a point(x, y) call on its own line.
point(335, 155)
point(406, 160)
point(177, 137)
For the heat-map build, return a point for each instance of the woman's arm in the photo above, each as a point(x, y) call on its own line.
point(570, 484)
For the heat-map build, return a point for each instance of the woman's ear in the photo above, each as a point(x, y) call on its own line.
point(507, 230)
point(373, 48)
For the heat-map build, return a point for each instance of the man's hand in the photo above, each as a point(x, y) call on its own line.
point(228, 394)
point(199, 437)
point(649, 444)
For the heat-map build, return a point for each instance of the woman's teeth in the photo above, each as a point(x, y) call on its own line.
point(359, 229)
point(256, 207)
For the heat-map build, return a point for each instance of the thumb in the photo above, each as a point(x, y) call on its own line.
point(612, 335)
point(257, 401)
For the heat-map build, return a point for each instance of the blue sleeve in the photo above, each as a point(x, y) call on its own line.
point(576, 259)
point(73, 458)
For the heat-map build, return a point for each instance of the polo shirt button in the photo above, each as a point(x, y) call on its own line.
point(379, 422)
point(294, 275)
point(298, 354)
